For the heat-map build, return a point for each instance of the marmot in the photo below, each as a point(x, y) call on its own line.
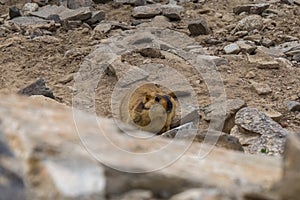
point(149, 108)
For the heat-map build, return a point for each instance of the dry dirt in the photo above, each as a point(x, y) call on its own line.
point(23, 60)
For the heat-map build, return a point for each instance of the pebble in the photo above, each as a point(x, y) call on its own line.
point(199, 27)
point(14, 12)
point(232, 49)
point(261, 88)
point(293, 106)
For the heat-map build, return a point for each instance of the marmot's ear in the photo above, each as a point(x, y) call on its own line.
point(173, 95)
point(157, 85)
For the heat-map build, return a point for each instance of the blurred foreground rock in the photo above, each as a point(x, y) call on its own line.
point(51, 140)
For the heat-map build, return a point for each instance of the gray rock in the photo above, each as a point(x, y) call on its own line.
point(215, 59)
point(132, 2)
point(75, 4)
point(232, 48)
point(199, 27)
point(232, 106)
point(37, 88)
point(246, 46)
point(251, 8)
point(293, 106)
point(250, 23)
point(261, 88)
point(29, 8)
point(267, 42)
point(103, 27)
point(82, 13)
point(97, 16)
point(296, 57)
point(28, 21)
point(101, 1)
point(148, 11)
point(263, 61)
point(258, 132)
point(173, 12)
point(14, 12)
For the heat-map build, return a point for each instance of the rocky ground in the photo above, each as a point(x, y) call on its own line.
point(254, 46)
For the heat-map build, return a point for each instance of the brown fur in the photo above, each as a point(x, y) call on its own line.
point(148, 102)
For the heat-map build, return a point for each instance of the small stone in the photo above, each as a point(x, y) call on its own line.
point(148, 11)
point(14, 12)
point(263, 61)
point(132, 2)
point(293, 106)
point(232, 49)
point(250, 23)
point(151, 53)
point(30, 7)
point(241, 33)
point(261, 88)
point(37, 88)
point(251, 8)
point(267, 42)
point(215, 59)
point(3, 2)
point(54, 17)
point(296, 57)
point(246, 47)
point(250, 75)
point(199, 27)
point(101, 1)
point(97, 16)
point(273, 114)
point(104, 27)
point(75, 4)
point(66, 79)
point(173, 12)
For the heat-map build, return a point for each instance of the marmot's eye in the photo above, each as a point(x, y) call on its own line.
point(157, 99)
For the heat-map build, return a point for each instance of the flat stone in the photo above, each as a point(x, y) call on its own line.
point(75, 4)
point(273, 114)
point(251, 8)
point(103, 27)
point(258, 132)
point(29, 21)
point(249, 23)
point(232, 49)
point(199, 27)
point(82, 13)
point(296, 57)
point(267, 42)
point(173, 12)
point(97, 16)
point(263, 61)
point(37, 88)
point(232, 106)
point(147, 11)
point(293, 106)
point(261, 88)
point(132, 2)
point(215, 59)
point(246, 46)
point(3, 2)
